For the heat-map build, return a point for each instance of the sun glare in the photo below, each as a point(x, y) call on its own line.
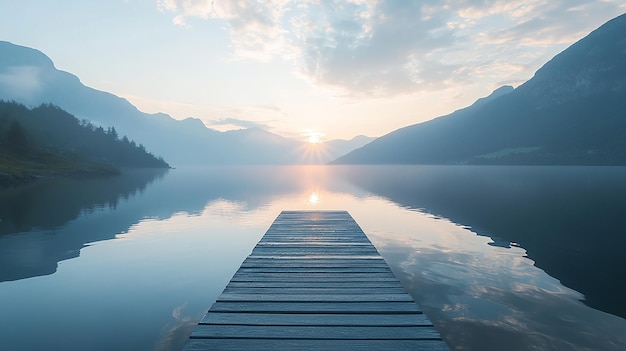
point(314, 198)
point(313, 149)
point(313, 137)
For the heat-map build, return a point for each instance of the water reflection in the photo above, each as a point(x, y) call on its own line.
point(445, 231)
point(569, 219)
point(32, 240)
point(51, 221)
point(49, 204)
point(489, 298)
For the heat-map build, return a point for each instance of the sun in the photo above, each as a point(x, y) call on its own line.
point(313, 148)
point(314, 198)
point(313, 137)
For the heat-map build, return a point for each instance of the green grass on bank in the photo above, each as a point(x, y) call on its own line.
point(16, 169)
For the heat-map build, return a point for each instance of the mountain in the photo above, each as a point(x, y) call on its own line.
point(29, 77)
point(339, 147)
point(572, 112)
point(256, 145)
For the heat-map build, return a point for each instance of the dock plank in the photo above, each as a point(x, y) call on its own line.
point(312, 307)
point(315, 332)
point(313, 345)
point(375, 272)
point(275, 262)
point(282, 297)
point(314, 282)
point(317, 319)
point(346, 290)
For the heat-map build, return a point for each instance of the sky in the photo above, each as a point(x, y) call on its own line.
point(334, 69)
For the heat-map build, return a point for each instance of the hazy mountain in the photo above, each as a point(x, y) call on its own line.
point(257, 145)
point(339, 147)
point(29, 77)
point(572, 111)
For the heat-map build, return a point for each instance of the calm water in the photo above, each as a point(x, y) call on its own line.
point(501, 258)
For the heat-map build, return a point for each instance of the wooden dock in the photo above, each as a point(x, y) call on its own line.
point(315, 282)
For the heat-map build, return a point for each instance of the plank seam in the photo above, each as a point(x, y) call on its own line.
point(321, 325)
point(197, 337)
point(319, 312)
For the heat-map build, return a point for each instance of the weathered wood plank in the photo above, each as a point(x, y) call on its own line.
point(369, 275)
point(346, 290)
point(313, 345)
point(310, 270)
point(318, 251)
point(314, 282)
point(317, 319)
point(278, 297)
point(301, 279)
point(310, 257)
point(296, 275)
point(307, 262)
point(315, 332)
point(321, 240)
point(278, 244)
point(310, 265)
point(316, 307)
point(307, 284)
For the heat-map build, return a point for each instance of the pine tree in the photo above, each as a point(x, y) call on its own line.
point(16, 139)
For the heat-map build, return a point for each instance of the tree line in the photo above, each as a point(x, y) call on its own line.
point(26, 133)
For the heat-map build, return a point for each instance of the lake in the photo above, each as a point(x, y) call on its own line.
point(515, 258)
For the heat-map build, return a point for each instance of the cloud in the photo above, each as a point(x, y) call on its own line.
point(389, 47)
point(180, 21)
point(546, 23)
point(21, 83)
point(254, 25)
point(237, 123)
point(195, 8)
point(375, 48)
point(267, 117)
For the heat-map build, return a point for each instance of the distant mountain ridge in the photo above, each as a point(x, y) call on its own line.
point(29, 77)
point(339, 147)
point(572, 112)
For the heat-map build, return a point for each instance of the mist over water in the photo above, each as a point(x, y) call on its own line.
point(515, 258)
